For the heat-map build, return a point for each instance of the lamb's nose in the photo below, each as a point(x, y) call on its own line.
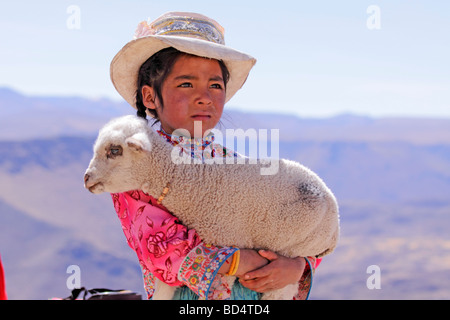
point(86, 178)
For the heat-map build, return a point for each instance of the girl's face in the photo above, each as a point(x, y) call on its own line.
point(193, 91)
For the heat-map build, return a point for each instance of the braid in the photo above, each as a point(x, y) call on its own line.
point(142, 114)
point(140, 107)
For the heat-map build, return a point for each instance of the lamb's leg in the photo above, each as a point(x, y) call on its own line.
point(163, 291)
point(145, 187)
point(286, 293)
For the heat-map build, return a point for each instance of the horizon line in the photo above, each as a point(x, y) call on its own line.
point(236, 108)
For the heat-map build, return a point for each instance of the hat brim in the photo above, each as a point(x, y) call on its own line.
point(125, 65)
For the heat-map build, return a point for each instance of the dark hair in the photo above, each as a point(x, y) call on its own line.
point(155, 70)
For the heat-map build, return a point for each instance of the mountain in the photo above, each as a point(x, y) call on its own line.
point(28, 117)
point(48, 222)
point(391, 178)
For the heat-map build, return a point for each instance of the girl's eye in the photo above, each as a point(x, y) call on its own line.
point(185, 85)
point(216, 86)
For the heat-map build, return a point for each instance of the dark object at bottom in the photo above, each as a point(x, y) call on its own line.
point(103, 294)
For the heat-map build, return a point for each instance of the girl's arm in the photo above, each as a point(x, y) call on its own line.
point(170, 251)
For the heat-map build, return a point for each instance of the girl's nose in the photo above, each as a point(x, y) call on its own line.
point(203, 97)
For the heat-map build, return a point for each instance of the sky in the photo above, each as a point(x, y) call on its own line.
point(315, 58)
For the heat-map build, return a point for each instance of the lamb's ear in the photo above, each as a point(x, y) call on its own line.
point(139, 142)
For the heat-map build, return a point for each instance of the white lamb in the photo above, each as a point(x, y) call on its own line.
point(292, 212)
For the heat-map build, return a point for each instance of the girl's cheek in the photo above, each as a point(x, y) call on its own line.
point(178, 101)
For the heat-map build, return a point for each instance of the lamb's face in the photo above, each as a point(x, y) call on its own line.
point(108, 167)
point(116, 151)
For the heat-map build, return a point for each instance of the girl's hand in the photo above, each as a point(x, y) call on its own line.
point(280, 272)
point(249, 260)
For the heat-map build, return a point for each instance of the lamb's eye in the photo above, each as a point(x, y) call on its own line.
point(114, 151)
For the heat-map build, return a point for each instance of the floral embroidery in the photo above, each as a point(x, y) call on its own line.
point(201, 265)
point(305, 283)
point(156, 236)
point(149, 281)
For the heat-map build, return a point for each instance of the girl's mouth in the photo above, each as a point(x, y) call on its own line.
point(201, 117)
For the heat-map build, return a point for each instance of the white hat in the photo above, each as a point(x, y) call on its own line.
point(188, 32)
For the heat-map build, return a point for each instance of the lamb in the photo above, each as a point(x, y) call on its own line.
point(292, 212)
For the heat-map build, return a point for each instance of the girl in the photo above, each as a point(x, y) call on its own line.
point(178, 71)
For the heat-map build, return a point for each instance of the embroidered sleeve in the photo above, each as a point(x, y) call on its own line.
point(305, 283)
point(168, 250)
point(199, 271)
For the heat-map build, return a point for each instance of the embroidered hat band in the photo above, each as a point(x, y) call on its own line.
point(185, 26)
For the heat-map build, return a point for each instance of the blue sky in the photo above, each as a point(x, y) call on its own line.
point(315, 58)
